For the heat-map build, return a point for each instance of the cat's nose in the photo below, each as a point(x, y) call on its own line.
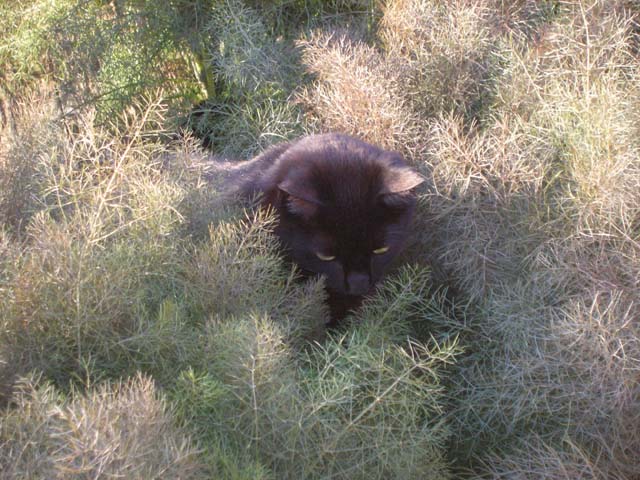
point(358, 283)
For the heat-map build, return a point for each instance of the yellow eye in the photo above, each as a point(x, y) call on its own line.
point(381, 250)
point(325, 258)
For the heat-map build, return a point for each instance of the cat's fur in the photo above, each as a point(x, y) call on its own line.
point(339, 197)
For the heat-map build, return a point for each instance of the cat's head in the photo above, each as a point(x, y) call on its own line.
point(345, 207)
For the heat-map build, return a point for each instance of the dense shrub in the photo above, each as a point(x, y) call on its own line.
point(99, 251)
point(120, 429)
point(364, 404)
point(532, 150)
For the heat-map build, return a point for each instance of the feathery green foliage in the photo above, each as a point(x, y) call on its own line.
point(118, 256)
point(120, 429)
point(364, 404)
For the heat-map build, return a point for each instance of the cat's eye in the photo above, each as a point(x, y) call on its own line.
point(381, 250)
point(325, 258)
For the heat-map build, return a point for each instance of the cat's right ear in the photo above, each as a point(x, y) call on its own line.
point(299, 200)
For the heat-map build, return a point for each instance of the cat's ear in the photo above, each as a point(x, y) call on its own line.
point(400, 180)
point(301, 200)
point(398, 177)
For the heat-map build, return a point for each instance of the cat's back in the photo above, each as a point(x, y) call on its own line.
point(332, 168)
point(329, 150)
point(323, 154)
point(325, 159)
point(244, 178)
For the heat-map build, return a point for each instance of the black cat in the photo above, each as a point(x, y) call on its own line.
point(344, 209)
